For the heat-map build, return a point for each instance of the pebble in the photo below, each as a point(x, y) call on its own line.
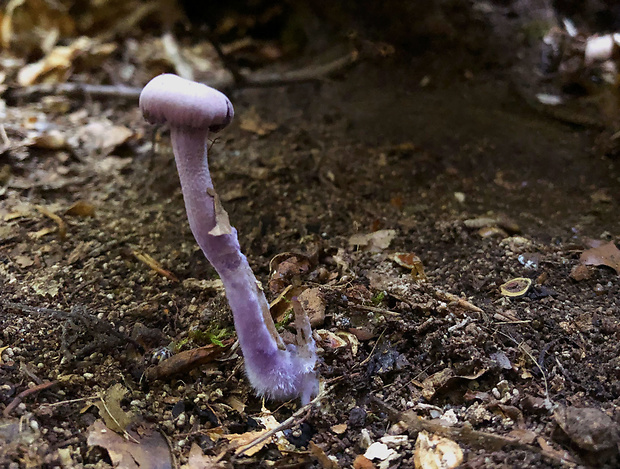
point(378, 451)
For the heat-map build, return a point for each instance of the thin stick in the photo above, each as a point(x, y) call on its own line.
point(18, 399)
point(130, 93)
point(287, 423)
point(70, 401)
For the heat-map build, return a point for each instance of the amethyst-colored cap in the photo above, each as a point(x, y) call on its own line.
point(171, 99)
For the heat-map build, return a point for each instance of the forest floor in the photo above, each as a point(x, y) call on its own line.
point(101, 279)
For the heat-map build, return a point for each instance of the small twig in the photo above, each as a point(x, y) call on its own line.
point(231, 65)
point(70, 401)
point(372, 309)
point(287, 423)
point(464, 434)
point(18, 399)
point(457, 301)
point(130, 93)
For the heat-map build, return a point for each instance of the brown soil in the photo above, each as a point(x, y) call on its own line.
point(370, 152)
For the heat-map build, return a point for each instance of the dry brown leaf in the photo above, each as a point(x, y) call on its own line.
point(34, 25)
point(314, 305)
point(239, 441)
point(286, 269)
point(339, 429)
point(145, 450)
point(57, 65)
point(110, 409)
point(2, 349)
point(198, 460)
point(373, 242)
point(325, 461)
point(606, 254)
point(100, 137)
point(252, 122)
point(81, 209)
point(362, 462)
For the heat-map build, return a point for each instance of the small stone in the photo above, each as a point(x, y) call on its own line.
point(378, 451)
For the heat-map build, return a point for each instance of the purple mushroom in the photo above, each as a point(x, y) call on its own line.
point(191, 109)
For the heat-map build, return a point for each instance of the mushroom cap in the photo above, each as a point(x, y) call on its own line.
point(184, 103)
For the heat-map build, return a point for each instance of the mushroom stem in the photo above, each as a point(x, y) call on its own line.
point(274, 370)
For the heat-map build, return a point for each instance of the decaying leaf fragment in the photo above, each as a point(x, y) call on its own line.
point(109, 406)
point(198, 460)
point(606, 254)
point(436, 452)
point(145, 450)
point(373, 242)
point(56, 66)
point(240, 441)
point(251, 122)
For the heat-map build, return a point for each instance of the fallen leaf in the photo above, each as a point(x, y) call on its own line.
point(81, 209)
point(198, 460)
point(2, 349)
point(52, 139)
point(251, 121)
point(606, 254)
point(314, 305)
point(240, 441)
point(339, 429)
point(409, 260)
point(285, 269)
point(324, 460)
point(373, 242)
point(57, 64)
point(99, 137)
point(445, 379)
point(198, 284)
point(23, 261)
point(147, 450)
point(110, 409)
point(362, 462)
